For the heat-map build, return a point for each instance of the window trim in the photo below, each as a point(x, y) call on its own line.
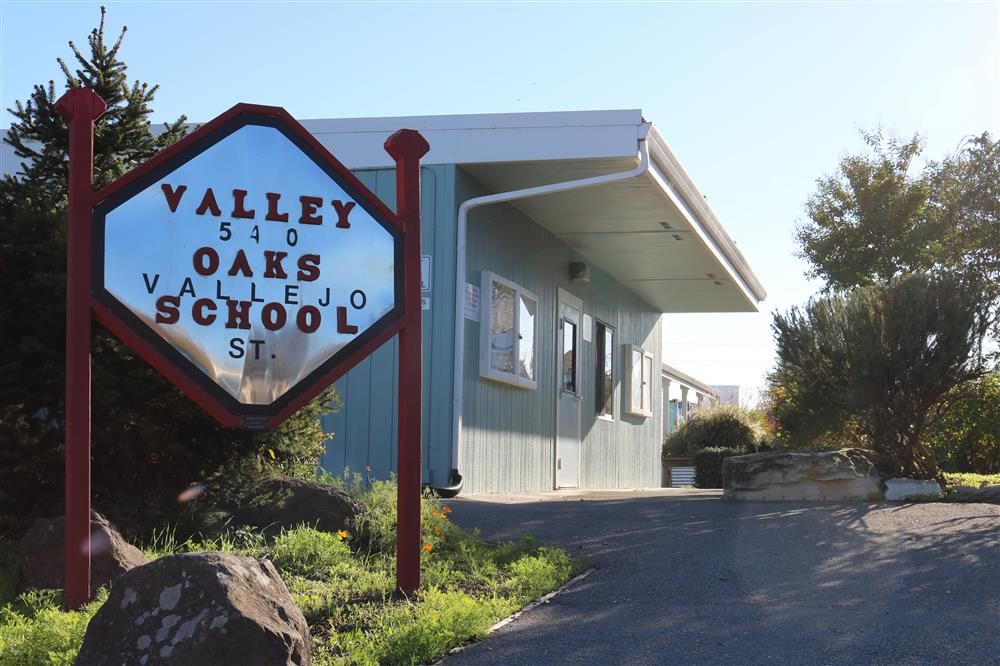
point(637, 410)
point(599, 368)
point(486, 369)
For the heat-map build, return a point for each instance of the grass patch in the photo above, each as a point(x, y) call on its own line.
point(344, 583)
point(955, 479)
point(35, 630)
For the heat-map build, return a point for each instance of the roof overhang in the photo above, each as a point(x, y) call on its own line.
point(655, 233)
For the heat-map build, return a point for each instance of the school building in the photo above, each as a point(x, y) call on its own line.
point(552, 244)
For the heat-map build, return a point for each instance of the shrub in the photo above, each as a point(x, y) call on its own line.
point(885, 358)
point(955, 479)
point(708, 464)
point(34, 629)
point(535, 575)
point(718, 425)
point(376, 525)
point(967, 437)
point(308, 552)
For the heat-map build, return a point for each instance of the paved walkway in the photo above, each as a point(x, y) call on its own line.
point(684, 577)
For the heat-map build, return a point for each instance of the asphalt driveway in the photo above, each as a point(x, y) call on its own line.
point(688, 578)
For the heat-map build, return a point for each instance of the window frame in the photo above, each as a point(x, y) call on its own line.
point(601, 349)
point(631, 408)
point(486, 369)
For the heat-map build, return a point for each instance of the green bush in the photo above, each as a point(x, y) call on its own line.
point(886, 360)
point(955, 479)
point(533, 576)
point(718, 425)
point(967, 437)
point(34, 629)
point(308, 552)
point(708, 464)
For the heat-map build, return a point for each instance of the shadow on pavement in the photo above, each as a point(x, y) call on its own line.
point(710, 581)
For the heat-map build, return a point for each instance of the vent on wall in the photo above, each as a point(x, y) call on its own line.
point(665, 225)
point(677, 237)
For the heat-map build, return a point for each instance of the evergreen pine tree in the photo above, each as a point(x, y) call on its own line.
point(149, 441)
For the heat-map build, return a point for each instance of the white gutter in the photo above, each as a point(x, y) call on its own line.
point(463, 219)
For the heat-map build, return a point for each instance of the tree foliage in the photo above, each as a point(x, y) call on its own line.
point(882, 362)
point(149, 441)
point(880, 215)
point(967, 438)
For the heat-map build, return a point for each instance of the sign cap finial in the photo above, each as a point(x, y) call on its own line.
point(406, 143)
point(82, 102)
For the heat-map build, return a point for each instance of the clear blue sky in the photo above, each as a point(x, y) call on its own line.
point(757, 100)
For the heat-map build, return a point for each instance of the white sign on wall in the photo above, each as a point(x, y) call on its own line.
point(471, 302)
point(425, 272)
point(588, 328)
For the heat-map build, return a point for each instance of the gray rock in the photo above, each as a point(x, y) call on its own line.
point(42, 553)
point(847, 474)
point(286, 502)
point(905, 489)
point(198, 608)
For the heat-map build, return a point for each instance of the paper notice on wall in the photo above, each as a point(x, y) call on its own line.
point(588, 328)
point(471, 302)
point(425, 273)
point(425, 302)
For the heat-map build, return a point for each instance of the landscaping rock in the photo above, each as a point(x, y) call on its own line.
point(285, 502)
point(198, 608)
point(42, 553)
point(904, 489)
point(847, 474)
point(984, 495)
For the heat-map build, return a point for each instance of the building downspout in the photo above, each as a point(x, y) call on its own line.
point(455, 482)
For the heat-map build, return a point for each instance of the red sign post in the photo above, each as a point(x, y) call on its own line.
point(252, 269)
point(407, 147)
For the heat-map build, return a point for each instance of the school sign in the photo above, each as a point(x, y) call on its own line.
point(247, 265)
point(252, 269)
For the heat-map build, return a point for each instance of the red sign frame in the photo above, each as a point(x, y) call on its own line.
point(81, 107)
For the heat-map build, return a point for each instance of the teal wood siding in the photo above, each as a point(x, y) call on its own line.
point(509, 432)
point(363, 432)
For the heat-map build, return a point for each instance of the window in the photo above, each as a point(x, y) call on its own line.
point(568, 355)
point(640, 381)
point(604, 384)
point(507, 332)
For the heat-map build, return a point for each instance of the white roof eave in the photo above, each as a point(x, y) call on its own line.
point(666, 169)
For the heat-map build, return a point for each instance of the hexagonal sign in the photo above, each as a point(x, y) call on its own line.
point(248, 265)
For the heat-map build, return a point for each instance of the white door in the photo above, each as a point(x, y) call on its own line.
point(568, 401)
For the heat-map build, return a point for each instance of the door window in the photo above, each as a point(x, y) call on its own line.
point(569, 356)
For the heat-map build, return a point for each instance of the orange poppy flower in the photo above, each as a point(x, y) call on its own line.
point(428, 548)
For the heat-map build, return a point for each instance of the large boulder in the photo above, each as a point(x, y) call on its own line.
point(195, 609)
point(42, 553)
point(847, 474)
point(286, 502)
